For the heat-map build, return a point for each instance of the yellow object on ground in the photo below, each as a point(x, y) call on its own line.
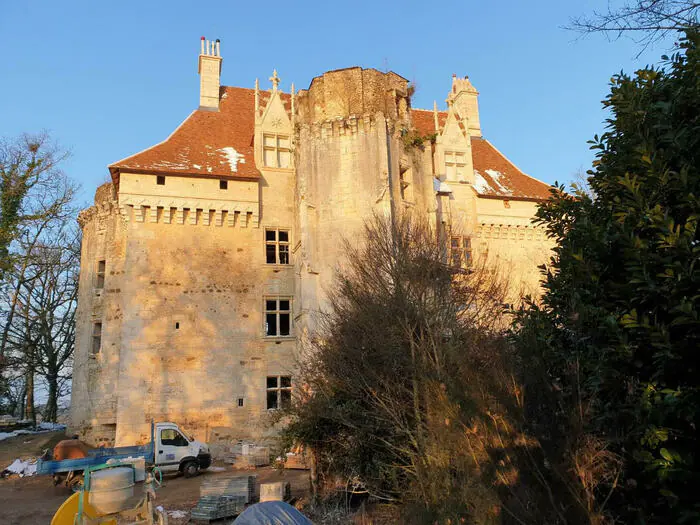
point(65, 515)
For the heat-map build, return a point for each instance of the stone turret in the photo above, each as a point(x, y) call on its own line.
point(353, 92)
point(209, 74)
point(465, 99)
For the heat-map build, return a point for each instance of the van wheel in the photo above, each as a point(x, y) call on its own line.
point(190, 469)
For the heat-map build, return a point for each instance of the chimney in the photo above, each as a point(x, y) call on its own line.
point(465, 99)
point(209, 74)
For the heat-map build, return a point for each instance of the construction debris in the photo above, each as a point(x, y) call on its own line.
point(22, 468)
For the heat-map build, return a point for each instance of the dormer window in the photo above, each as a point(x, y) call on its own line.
point(277, 151)
point(455, 165)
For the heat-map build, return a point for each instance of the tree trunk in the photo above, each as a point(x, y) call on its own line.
point(313, 471)
point(29, 410)
point(51, 411)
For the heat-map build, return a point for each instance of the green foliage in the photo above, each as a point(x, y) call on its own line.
point(618, 330)
point(413, 139)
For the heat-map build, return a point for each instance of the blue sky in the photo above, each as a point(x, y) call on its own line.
point(108, 79)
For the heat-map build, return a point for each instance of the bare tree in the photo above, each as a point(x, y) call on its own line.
point(651, 19)
point(41, 337)
point(37, 256)
point(408, 388)
point(32, 188)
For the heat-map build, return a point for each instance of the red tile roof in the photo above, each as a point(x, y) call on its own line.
point(424, 121)
point(495, 176)
point(220, 144)
point(209, 143)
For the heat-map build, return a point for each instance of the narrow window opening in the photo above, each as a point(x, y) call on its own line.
point(405, 186)
point(96, 338)
point(240, 401)
point(100, 283)
point(160, 180)
point(223, 184)
point(177, 326)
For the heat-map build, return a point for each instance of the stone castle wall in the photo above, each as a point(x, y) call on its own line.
point(186, 278)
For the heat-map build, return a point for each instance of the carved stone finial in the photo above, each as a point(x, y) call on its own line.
point(257, 97)
point(293, 97)
point(435, 116)
point(275, 80)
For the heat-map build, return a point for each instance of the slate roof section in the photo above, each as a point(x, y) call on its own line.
point(495, 175)
point(207, 143)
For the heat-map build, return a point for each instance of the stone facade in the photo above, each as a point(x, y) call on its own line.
point(206, 257)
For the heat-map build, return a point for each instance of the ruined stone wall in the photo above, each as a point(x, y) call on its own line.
point(96, 375)
point(349, 156)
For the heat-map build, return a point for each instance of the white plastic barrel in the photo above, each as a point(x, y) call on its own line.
point(111, 490)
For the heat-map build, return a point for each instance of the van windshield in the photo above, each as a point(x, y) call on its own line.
point(186, 433)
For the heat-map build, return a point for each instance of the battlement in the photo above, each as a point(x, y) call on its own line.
point(343, 93)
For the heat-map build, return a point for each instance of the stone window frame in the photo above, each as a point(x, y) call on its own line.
point(458, 168)
point(100, 272)
point(96, 337)
point(278, 244)
point(280, 389)
point(461, 251)
point(278, 312)
point(271, 144)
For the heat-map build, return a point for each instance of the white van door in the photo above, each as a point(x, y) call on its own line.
point(172, 446)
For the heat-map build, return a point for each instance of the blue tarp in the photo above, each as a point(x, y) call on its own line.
point(271, 513)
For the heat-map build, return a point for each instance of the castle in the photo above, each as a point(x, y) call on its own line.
point(205, 258)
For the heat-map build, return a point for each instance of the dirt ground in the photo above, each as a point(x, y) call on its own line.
point(34, 500)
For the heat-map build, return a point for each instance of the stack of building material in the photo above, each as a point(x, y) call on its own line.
point(216, 507)
point(223, 497)
point(278, 491)
point(229, 486)
point(248, 455)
